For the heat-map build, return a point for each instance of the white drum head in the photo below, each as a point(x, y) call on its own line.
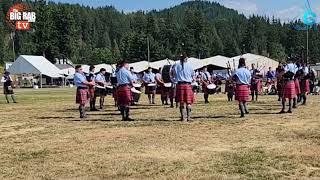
point(194, 84)
point(152, 85)
point(167, 85)
point(109, 87)
point(100, 87)
point(211, 86)
point(137, 85)
point(135, 91)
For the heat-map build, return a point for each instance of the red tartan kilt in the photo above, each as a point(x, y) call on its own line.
point(150, 90)
point(184, 94)
point(124, 96)
point(289, 90)
point(305, 86)
point(91, 93)
point(297, 86)
point(242, 92)
point(82, 96)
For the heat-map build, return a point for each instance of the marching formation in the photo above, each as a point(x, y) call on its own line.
point(177, 84)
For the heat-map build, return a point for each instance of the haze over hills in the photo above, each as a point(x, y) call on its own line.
point(104, 35)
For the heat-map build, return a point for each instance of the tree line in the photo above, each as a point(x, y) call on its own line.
point(104, 35)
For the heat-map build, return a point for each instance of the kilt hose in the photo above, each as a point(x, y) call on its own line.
point(205, 89)
point(305, 86)
point(297, 86)
point(124, 96)
point(82, 96)
point(289, 90)
point(185, 94)
point(256, 85)
point(242, 92)
point(165, 92)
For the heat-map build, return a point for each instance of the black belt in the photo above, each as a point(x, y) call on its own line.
point(123, 85)
point(82, 87)
point(182, 82)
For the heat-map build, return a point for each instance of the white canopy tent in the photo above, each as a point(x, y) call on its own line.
point(261, 62)
point(139, 67)
point(219, 61)
point(38, 65)
point(195, 63)
point(105, 66)
point(161, 63)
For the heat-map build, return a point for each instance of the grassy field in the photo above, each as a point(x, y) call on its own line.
point(41, 137)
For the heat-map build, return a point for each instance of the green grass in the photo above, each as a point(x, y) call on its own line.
point(41, 137)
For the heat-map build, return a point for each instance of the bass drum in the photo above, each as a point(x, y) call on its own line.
point(166, 73)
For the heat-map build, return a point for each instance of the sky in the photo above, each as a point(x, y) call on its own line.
point(286, 10)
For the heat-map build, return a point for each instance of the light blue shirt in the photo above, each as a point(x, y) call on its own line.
point(124, 76)
point(206, 76)
point(149, 77)
point(243, 76)
point(291, 67)
point(79, 79)
point(134, 76)
point(100, 77)
point(306, 70)
point(184, 75)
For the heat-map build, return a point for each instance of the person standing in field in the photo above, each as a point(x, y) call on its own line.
point(184, 75)
point(100, 91)
point(149, 80)
point(82, 95)
point(90, 78)
point(242, 76)
point(124, 96)
point(7, 87)
point(205, 80)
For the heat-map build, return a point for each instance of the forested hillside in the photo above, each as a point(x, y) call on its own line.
point(104, 35)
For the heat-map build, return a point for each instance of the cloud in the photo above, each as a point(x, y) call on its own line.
point(289, 14)
point(243, 6)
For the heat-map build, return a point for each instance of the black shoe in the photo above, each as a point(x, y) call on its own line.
point(294, 107)
point(94, 109)
point(290, 112)
point(242, 116)
point(247, 112)
point(282, 112)
point(171, 106)
point(15, 102)
point(128, 119)
point(8, 102)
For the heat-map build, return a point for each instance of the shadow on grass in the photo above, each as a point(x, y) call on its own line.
point(57, 117)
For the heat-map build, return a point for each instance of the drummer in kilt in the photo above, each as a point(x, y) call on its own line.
point(184, 75)
point(305, 84)
point(205, 80)
point(135, 96)
point(149, 78)
point(82, 95)
point(242, 76)
point(124, 96)
point(90, 78)
point(289, 89)
point(256, 82)
point(7, 87)
point(101, 91)
point(280, 81)
point(163, 90)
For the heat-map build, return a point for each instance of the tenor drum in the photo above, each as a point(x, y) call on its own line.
point(114, 81)
point(211, 88)
point(166, 73)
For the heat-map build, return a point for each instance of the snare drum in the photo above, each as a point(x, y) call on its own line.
point(211, 88)
point(166, 73)
point(135, 91)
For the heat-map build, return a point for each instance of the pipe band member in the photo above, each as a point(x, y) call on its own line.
point(149, 78)
point(280, 81)
point(289, 89)
point(82, 94)
point(135, 96)
point(124, 96)
point(305, 84)
point(173, 90)
point(91, 78)
point(205, 81)
point(164, 91)
point(256, 84)
point(297, 82)
point(7, 87)
point(184, 75)
point(100, 90)
point(242, 77)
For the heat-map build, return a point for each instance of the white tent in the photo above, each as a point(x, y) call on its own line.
point(34, 65)
point(161, 63)
point(219, 61)
point(85, 68)
point(195, 63)
point(105, 66)
point(261, 62)
point(139, 67)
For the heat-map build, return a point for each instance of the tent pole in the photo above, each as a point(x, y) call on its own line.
point(41, 81)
